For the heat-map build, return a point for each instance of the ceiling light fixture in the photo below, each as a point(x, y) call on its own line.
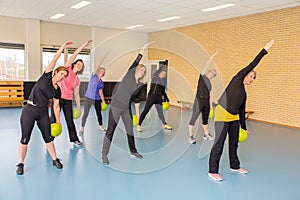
point(218, 7)
point(59, 15)
point(168, 19)
point(134, 26)
point(81, 4)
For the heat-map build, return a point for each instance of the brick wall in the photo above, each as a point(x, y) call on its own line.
point(275, 95)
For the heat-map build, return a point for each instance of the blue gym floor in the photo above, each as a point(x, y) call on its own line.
point(171, 167)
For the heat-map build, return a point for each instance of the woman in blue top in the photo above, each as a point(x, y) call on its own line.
point(36, 109)
point(94, 96)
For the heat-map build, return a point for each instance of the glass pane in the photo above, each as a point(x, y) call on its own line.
point(12, 66)
point(48, 56)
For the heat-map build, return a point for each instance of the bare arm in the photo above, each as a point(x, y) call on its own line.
point(57, 55)
point(137, 109)
point(101, 95)
point(77, 97)
point(72, 58)
point(144, 48)
point(100, 63)
point(56, 110)
point(208, 63)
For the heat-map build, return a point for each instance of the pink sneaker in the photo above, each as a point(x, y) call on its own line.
point(240, 170)
point(215, 177)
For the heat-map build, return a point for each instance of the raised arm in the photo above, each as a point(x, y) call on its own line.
point(269, 45)
point(57, 55)
point(139, 57)
point(100, 63)
point(242, 73)
point(144, 47)
point(208, 63)
point(74, 55)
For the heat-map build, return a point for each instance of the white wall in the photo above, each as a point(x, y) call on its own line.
point(122, 46)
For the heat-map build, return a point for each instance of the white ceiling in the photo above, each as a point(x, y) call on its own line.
point(122, 13)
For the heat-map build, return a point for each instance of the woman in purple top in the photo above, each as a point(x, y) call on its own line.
point(94, 96)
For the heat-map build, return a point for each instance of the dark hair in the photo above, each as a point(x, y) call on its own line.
point(76, 61)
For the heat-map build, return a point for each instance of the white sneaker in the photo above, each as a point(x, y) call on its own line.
point(192, 140)
point(240, 170)
point(208, 137)
point(136, 155)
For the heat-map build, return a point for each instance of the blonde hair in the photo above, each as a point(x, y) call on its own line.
point(213, 71)
point(99, 70)
point(140, 66)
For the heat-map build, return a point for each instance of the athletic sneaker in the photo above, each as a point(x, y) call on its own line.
point(78, 143)
point(208, 137)
point(215, 176)
point(105, 159)
point(57, 163)
point(240, 170)
point(192, 140)
point(139, 128)
point(137, 155)
point(167, 127)
point(20, 169)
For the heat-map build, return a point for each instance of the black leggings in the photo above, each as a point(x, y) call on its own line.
point(67, 107)
point(114, 116)
point(151, 100)
point(87, 105)
point(29, 115)
point(200, 105)
point(221, 132)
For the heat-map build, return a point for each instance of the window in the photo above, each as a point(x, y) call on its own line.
point(48, 54)
point(12, 61)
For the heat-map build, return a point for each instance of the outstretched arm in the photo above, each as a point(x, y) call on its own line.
point(144, 47)
point(242, 73)
point(57, 55)
point(139, 57)
point(72, 58)
point(269, 45)
point(100, 63)
point(208, 63)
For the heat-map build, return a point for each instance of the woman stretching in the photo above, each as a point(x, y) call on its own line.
point(94, 96)
point(36, 109)
point(157, 91)
point(230, 114)
point(120, 107)
point(202, 102)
